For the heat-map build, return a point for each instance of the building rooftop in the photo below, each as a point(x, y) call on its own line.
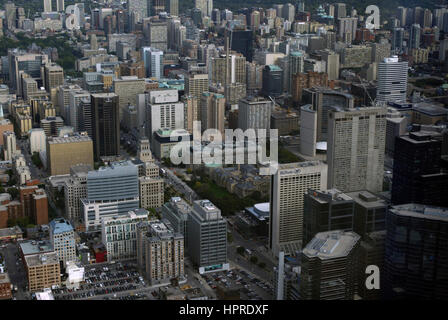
point(430, 109)
point(31, 247)
point(10, 232)
point(72, 138)
point(367, 199)
point(331, 244)
point(60, 225)
point(4, 278)
point(330, 195)
point(421, 211)
point(42, 259)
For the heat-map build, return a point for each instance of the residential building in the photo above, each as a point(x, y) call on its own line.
point(62, 236)
point(254, 113)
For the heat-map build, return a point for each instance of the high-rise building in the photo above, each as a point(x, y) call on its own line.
point(417, 174)
point(340, 10)
point(157, 35)
point(254, 113)
point(329, 269)
point(416, 252)
point(53, 75)
point(43, 271)
point(153, 60)
point(21, 62)
point(105, 124)
point(51, 126)
point(111, 191)
point(160, 252)
point(288, 187)
point(207, 237)
point(60, 7)
point(347, 28)
point(47, 6)
point(392, 80)
point(151, 192)
point(126, 89)
point(75, 189)
point(196, 84)
point(192, 111)
point(172, 7)
point(163, 110)
point(76, 119)
point(213, 106)
point(397, 40)
point(326, 210)
point(9, 145)
point(242, 42)
point(62, 237)
point(65, 152)
point(177, 212)
point(119, 234)
point(356, 146)
point(414, 36)
point(138, 8)
point(272, 81)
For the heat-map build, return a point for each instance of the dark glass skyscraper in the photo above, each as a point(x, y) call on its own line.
point(416, 254)
point(417, 177)
point(105, 124)
point(272, 81)
point(242, 42)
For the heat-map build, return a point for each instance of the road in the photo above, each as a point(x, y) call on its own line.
point(16, 271)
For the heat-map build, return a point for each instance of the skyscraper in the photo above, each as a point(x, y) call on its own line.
point(356, 144)
point(254, 113)
point(288, 187)
point(47, 6)
point(105, 124)
point(272, 81)
point(397, 40)
point(153, 60)
point(414, 36)
point(416, 252)
point(172, 7)
point(213, 107)
point(417, 174)
point(138, 8)
point(60, 7)
point(392, 80)
point(330, 266)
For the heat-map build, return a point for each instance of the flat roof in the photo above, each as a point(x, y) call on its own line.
point(31, 247)
point(421, 211)
point(331, 244)
point(42, 259)
point(8, 232)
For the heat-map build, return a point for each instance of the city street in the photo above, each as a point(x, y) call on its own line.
point(16, 271)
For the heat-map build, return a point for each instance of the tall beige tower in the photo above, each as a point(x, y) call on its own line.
point(288, 187)
point(356, 146)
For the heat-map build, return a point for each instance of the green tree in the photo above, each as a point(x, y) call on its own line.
point(262, 265)
point(240, 250)
point(229, 237)
point(253, 259)
point(14, 192)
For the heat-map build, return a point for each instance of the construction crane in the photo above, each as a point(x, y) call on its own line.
point(365, 89)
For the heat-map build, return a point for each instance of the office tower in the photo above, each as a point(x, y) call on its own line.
point(427, 19)
point(93, 42)
point(151, 192)
point(308, 130)
point(196, 84)
point(37, 140)
point(126, 90)
point(76, 119)
point(302, 81)
point(414, 36)
point(111, 191)
point(241, 41)
point(254, 113)
point(172, 7)
point(356, 56)
point(416, 252)
point(21, 62)
point(177, 212)
point(326, 210)
point(60, 7)
point(417, 174)
point(370, 212)
point(340, 10)
point(236, 69)
point(62, 236)
point(401, 15)
point(356, 144)
point(75, 189)
point(157, 35)
point(392, 80)
point(155, 7)
point(288, 12)
point(380, 51)
point(9, 145)
point(254, 76)
point(347, 28)
point(216, 16)
point(160, 252)
point(272, 81)
point(53, 75)
point(330, 266)
point(331, 60)
point(213, 106)
point(51, 126)
point(153, 60)
point(443, 47)
point(207, 237)
point(288, 187)
point(254, 20)
point(119, 234)
point(47, 6)
point(323, 100)
point(105, 124)
point(138, 8)
point(296, 62)
point(43, 271)
point(10, 15)
point(63, 100)
point(65, 152)
point(163, 111)
point(192, 111)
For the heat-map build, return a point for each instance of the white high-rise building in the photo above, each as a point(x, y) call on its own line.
point(153, 60)
point(392, 80)
point(163, 111)
point(37, 140)
point(356, 146)
point(254, 113)
point(47, 6)
point(288, 187)
point(75, 98)
point(60, 5)
point(9, 145)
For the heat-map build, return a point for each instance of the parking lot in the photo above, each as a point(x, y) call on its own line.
point(16, 270)
point(250, 288)
point(106, 281)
